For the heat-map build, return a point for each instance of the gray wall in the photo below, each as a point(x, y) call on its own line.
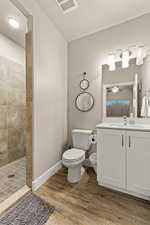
point(89, 53)
point(50, 90)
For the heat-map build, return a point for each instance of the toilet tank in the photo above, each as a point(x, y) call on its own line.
point(81, 139)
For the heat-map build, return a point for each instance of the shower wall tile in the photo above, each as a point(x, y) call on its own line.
point(12, 111)
point(14, 156)
point(17, 79)
point(4, 161)
point(3, 141)
point(16, 143)
point(4, 70)
point(3, 116)
point(4, 156)
point(16, 68)
point(3, 146)
point(3, 95)
point(17, 85)
point(16, 96)
point(16, 139)
point(16, 116)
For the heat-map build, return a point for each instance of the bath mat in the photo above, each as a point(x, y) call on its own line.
point(30, 210)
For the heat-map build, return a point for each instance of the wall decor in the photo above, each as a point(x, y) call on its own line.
point(84, 101)
point(84, 83)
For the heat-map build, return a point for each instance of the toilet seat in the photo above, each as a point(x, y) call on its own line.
point(73, 155)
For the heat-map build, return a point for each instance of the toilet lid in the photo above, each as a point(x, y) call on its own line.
point(73, 154)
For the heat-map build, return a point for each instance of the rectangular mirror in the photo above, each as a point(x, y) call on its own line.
point(119, 99)
point(127, 90)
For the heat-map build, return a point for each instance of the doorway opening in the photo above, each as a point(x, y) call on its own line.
point(15, 98)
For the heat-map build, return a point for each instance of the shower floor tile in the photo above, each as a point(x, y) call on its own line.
point(12, 178)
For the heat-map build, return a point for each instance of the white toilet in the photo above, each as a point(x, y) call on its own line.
point(74, 157)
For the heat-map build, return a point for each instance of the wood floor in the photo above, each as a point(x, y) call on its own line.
point(86, 203)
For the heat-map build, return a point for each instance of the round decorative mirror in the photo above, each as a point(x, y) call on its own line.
point(84, 102)
point(84, 84)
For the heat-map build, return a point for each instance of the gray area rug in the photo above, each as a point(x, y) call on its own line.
point(30, 210)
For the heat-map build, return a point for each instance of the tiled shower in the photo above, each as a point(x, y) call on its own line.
point(12, 111)
point(12, 115)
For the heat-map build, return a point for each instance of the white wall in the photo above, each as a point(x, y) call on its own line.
point(89, 53)
point(50, 90)
point(11, 50)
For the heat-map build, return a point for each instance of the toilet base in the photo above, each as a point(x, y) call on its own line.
point(75, 173)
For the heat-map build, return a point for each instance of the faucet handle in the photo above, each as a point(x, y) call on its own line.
point(125, 120)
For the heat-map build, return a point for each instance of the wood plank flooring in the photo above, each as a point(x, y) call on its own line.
point(86, 203)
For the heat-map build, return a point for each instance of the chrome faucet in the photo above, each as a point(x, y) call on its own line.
point(125, 120)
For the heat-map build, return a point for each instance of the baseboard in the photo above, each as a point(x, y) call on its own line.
point(45, 176)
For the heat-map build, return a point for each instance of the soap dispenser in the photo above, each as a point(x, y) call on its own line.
point(131, 119)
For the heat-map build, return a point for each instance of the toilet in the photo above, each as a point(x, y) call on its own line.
point(73, 158)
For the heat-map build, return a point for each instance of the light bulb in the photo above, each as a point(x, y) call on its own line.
point(111, 62)
point(115, 89)
point(13, 23)
point(140, 55)
point(125, 59)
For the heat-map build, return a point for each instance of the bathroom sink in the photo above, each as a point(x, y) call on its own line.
point(136, 126)
point(128, 125)
point(145, 127)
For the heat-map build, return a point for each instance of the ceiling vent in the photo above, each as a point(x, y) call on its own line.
point(67, 5)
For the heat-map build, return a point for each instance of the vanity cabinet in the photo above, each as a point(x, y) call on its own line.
point(138, 162)
point(111, 157)
point(123, 161)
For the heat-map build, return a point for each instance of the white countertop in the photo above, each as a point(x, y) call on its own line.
point(120, 126)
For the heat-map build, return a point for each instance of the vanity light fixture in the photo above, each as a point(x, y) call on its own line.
point(140, 55)
point(125, 59)
point(115, 89)
point(111, 62)
point(135, 51)
point(13, 22)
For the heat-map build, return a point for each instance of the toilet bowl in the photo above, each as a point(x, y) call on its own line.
point(73, 160)
point(74, 157)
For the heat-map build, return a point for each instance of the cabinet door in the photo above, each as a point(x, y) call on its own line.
point(138, 162)
point(111, 153)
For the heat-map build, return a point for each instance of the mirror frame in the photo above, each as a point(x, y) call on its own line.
point(91, 105)
point(103, 119)
point(88, 84)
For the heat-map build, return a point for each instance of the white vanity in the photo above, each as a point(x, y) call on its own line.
point(123, 158)
point(123, 140)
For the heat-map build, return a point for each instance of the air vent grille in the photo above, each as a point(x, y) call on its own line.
point(60, 1)
point(67, 5)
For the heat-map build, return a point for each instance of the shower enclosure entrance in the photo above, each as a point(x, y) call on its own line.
point(15, 102)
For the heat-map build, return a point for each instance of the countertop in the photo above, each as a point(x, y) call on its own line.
point(120, 126)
